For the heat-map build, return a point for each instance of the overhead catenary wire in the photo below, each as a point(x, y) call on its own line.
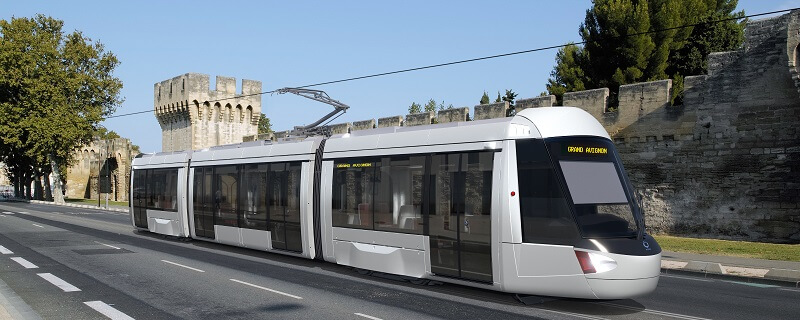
point(623, 36)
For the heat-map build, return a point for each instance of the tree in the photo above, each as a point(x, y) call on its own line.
point(485, 98)
point(264, 126)
point(105, 134)
point(510, 97)
point(430, 106)
point(499, 98)
point(414, 108)
point(628, 41)
point(55, 89)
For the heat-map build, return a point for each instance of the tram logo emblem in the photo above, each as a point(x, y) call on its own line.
point(646, 245)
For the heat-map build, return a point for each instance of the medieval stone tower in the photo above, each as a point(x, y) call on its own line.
point(194, 117)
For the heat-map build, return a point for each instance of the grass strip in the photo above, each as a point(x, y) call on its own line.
point(758, 250)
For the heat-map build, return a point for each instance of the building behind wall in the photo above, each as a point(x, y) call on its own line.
point(194, 117)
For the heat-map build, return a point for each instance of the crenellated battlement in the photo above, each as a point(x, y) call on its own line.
point(192, 116)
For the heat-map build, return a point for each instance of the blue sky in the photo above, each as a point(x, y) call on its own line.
point(295, 43)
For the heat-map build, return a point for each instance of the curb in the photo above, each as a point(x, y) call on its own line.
point(713, 270)
point(78, 206)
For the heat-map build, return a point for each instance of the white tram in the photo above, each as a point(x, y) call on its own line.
point(538, 203)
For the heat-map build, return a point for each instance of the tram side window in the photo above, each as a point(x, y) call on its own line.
point(225, 195)
point(544, 211)
point(162, 189)
point(398, 194)
point(353, 202)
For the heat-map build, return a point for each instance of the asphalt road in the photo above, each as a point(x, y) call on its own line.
point(71, 263)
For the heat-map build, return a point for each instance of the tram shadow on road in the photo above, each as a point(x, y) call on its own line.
point(594, 307)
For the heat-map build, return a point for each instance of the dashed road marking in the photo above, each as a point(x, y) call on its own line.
point(3, 250)
point(8, 212)
point(25, 263)
point(108, 245)
point(180, 265)
point(787, 289)
point(107, 310)
point(367, 316)
point(267, 289)
point(36, 225)
point(56, 281)
point(24, 212)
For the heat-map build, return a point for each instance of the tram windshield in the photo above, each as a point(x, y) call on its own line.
point(595, 181)
point(566, 184)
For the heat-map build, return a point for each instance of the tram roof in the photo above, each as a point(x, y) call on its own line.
point(545, 122)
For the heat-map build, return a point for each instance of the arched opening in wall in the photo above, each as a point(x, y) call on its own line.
point(217, 117)
point(249, 115)
point(238, 113)
point(207, 110)
point(228, 111)
point(797, 58)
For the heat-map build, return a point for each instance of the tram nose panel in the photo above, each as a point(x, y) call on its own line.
point(633, 276)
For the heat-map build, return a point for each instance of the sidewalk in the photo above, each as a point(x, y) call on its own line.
point(785, 273)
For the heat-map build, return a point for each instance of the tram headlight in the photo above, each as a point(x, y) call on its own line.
point(594, 262)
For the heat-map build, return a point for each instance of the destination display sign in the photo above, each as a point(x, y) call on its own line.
point(586, 150)
point(354, 165)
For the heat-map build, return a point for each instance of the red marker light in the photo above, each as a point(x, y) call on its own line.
point(513, 193)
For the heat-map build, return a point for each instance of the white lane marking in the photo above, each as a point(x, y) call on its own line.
point(180, 265)
point(656, 312)
point(108, 245)
point(107, 310)
point(787, 289)
point(267, 289)
point(56, 281)
point(8, 212)
point(25, 263)
point(3, 250)
point(367, 316)
point(23, 212)
point(36, 225)
point(686, 278)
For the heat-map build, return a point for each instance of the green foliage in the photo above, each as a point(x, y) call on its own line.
point(55, 89)
point(499, 98)
point(264, 126)
point(509, 97)
point(414, 108)
point(430, 106)
point(485, 98)
point(105, 134)
point(442, 107)
point(618, 50)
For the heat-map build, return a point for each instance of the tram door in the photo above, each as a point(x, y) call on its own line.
point(460, 189)
point(203, 202)
point(140, 198)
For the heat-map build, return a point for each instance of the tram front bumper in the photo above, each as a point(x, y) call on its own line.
point(634, 276)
